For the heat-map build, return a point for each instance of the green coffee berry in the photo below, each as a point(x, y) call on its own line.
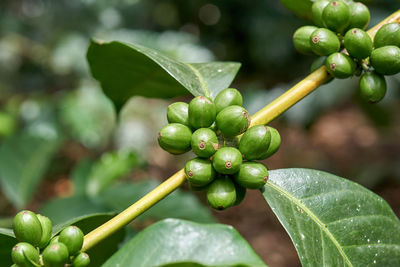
point(336, 16)
point(72, 237)
point(178, 112)
point(324, 42)
point(340, 66)
point(175, 138)
point(233, 120)
point(81, 260)
point(54, 239)
point(252, 175)
point(23, 253)
point(372, 87)
point(228, 97)
point(204, 142)
point(199, 172)
point(358, 43)
point(47, 227)
point(221, 193)
point(386, 60)
point(317, 9)
point(55, 255)
point(240, 193)
point(388, 34)
point(202, 112)
point(227, 160)
point(274, 144)
point(27, 227)
point(255, 142)
point(301, 39)
point(359, 16)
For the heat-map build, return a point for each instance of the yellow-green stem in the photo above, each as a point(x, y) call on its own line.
point(264, 116)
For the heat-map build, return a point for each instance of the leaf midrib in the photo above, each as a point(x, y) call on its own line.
point(201, 80)
point(313, 217)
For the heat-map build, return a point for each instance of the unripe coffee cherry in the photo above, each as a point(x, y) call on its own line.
point(202, 112)
point(372, 86)
point(240, 193)
point(336, 16)
point(175, 138)
point(324, 42)
point(81, 260)
point(359, 16)
point(252, 175)
point(340, 66)
point(47, 227)
point(199, 172)
point(233, 120)
point(23, 253)
point(221, 193)
point(204, 142)
point(255, 142)
point(228, 97)
point(301, 39)
point(227, 160)
point(386, 60)
point(27, 227)
point(274, 144)
point(358, 43)
point(178, 112)
point(55, 255)
point(54, 239)
point(72, 238)
point(388, 34)
point(317, 9)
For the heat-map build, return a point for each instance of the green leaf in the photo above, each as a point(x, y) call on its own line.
point(178, 204)
point(7, 241)
point(173, 242)
point(60, 210)
point(111, 166)
point(24, 159)
point(333, 221)
point(80, 175)
point(104, 249)
point(125, 70)
point(301, 8)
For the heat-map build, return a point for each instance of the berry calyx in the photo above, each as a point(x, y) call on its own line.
point(324, 42)
point(340, 66)
point(301, 39)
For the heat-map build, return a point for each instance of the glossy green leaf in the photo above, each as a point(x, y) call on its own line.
point(80, 175)
point(333, 221)
point(173, 242)
point(60, 210)
point(125, 70)
point(103, 250)
point(24, 159)
point(178, 204)
point(110, 167)
point(7, 241)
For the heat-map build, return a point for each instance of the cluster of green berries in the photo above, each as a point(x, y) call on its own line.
point(226, 148)
point(36, 246)
point(340, 25)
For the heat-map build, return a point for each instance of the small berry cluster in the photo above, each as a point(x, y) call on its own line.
point(341, 24)
point(224, 146)
point(37, 248)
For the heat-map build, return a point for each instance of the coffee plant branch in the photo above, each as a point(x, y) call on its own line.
point(263, 116)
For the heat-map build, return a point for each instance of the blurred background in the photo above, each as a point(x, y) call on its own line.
point(62, 144)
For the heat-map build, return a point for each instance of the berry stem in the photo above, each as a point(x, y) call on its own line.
point(264, 116)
